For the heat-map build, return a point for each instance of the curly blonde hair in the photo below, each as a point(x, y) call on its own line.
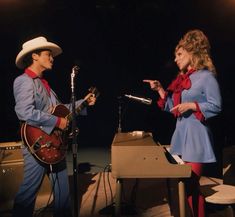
point(196, 43)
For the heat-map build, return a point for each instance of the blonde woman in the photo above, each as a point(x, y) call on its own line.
point(193, 97)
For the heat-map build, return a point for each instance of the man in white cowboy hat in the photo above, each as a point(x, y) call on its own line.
point(34, 100)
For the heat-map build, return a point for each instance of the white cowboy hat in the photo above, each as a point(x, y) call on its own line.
point(35, 44)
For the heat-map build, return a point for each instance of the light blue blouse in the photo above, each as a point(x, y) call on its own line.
point(192, 139)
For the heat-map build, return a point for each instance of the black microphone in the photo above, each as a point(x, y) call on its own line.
point(146, 101)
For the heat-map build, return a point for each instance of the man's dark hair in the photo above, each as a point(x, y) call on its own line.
point(28, 60)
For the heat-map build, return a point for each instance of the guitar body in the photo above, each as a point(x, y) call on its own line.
point(49, 149)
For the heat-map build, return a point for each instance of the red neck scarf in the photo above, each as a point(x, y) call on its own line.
point(182, 82)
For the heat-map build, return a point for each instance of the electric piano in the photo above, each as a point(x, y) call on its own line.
point(136, 155)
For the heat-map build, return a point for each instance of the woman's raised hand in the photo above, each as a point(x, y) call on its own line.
point(154, 84)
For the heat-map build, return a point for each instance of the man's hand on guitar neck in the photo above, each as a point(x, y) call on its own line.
point(91, 99)
point(63, 123)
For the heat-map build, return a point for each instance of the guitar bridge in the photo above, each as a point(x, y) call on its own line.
point(46, 145)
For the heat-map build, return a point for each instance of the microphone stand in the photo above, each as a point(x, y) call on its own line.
point(109, 209)
point(119, 114)
point(127, 209)
point(74, 141)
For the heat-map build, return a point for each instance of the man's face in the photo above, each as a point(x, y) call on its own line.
point(44, 59)
point(183, 59)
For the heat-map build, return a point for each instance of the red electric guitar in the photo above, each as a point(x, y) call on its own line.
point(51, 149)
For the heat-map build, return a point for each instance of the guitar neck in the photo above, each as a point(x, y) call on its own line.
point(83, 105)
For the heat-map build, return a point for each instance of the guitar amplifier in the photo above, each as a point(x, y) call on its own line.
point(11, 174)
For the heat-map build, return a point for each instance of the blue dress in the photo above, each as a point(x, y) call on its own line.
point(192, 139)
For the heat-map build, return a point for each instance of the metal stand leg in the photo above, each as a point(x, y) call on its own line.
point(229, 211)
point(118, 198)
point(181, 189)
point(169, 195)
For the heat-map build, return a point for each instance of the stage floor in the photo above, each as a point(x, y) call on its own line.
point(96, 191)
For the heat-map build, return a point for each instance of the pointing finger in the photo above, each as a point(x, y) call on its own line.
point(148, 81)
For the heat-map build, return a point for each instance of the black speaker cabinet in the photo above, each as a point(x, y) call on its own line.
point(11, 174)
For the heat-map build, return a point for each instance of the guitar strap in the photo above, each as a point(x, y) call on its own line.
point(49, 95)
point(57, 98)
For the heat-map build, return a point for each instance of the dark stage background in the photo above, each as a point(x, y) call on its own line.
point(117, 44)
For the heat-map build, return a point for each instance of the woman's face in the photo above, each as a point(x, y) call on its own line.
point(183, 59)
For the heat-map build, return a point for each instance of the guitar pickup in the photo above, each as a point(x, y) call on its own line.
point(36, 146)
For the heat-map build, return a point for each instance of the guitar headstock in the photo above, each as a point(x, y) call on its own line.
point(94, 91)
